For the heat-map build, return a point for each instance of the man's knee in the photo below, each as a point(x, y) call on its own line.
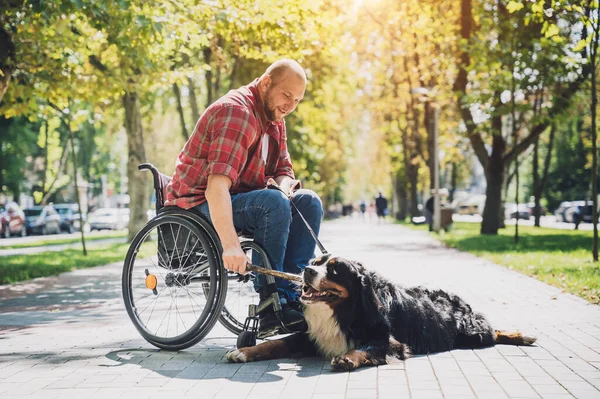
point(276, 203)
point(308, 202)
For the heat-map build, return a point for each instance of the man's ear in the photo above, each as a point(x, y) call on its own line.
point(265, 83)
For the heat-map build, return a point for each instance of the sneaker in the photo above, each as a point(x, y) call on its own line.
point(268, 323)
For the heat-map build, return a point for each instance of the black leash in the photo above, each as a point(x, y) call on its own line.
point(275, 186)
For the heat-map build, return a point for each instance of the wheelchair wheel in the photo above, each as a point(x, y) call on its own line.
point(173, 286)
point(240, 291)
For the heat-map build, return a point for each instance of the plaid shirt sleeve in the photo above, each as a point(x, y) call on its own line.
point(231, 132)
point(284, 163)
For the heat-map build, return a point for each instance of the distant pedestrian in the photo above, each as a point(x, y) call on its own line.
point(363, 208)
point(429, 212)
point(371, 211)
point(381, 204)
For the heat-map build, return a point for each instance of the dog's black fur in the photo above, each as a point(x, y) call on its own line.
point(359, 318)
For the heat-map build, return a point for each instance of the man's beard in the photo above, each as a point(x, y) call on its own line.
point(269, 108)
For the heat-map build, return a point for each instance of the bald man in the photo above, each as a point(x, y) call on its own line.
point(238, 144)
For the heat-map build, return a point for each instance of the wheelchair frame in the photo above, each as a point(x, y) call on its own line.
point(217, 277)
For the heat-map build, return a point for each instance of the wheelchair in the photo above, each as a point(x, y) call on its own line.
point(175, 287)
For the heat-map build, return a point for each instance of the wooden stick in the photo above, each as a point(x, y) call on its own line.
point(274, 273)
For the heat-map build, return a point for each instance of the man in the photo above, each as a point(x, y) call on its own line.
point(238, 144)
point(381, 204)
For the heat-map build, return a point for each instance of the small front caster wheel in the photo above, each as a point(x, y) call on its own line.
point(246, 339)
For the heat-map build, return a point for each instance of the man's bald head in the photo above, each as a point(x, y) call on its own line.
point(283, 69)
point(281, 88)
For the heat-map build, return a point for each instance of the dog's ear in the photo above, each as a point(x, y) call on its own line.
point(368, 299)
point(320, 260)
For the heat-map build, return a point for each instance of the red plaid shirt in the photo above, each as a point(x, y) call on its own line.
point(227, 140)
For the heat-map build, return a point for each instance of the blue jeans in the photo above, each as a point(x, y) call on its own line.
point(277, 227)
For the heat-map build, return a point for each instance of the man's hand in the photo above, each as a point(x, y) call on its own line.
point(234, 259)
point(287, 185)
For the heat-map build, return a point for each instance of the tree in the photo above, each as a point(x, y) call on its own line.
point(545, 66)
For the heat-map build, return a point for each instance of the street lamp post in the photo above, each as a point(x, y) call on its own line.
point(427, 97)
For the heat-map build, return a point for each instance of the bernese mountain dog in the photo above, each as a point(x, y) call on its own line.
point(358, 318)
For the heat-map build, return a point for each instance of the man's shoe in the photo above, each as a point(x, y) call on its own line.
point(269, 324)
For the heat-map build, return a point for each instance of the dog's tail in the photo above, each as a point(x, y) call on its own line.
point(513, 338)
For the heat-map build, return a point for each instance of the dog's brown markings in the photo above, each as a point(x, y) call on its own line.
point(398, 350)
point(267, 350)
point(513, 338)
point(353, 360)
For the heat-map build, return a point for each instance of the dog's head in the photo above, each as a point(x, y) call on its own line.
point(335, 281)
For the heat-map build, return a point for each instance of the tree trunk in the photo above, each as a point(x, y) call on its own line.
point(177, 93)
point(494, 176)
point(61, 166)
point(453, 180)
point(536, 183)
point(234, 71)
point(217, 82)
point(594, 105)
point(7, 60)
point(193, 101)
point(137, 185)
point(208, 76)
point(45, 171)
point(402, 195)
point(75, 182)
point(428, 123)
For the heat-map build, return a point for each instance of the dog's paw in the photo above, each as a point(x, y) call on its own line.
point(529, 339)
point(236, 356)
point(343, 363)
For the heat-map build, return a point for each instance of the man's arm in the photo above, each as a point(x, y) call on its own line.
point(221, 214)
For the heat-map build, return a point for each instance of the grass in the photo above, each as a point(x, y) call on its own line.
point(25, 267)
point(76, 237)
point(562, 258)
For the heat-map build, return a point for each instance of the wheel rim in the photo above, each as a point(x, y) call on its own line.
point(176, 306)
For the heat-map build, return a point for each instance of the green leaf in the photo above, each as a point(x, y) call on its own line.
point(579, 46)
point(514, 6)
point(552, 30)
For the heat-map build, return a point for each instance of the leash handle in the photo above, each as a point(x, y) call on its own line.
point(272, 185)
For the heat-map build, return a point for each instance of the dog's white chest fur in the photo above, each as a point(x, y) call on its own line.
point(325, 331)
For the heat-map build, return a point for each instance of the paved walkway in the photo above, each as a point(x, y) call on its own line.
point(70, 336)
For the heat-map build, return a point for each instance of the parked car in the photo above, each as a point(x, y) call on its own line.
point(580, 212)
point(471, 206)
point(571, 210)
point(109, 219)
point(559, 213)
point(510, 211)
point(69, 217)
point(12, 220)
point(42, 220)
point(531, 208)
